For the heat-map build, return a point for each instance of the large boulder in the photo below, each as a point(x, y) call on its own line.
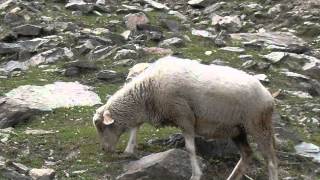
point(173, 164)
point(57, 95)
point(13, 111)
point(205, 147)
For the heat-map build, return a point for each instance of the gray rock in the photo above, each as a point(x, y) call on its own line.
point(8, 48)
point(13, 19)
point(273, 11)
point(12, 174)
point(295, 75)
point(171, 25)
point(126, 54)
point(80, 6)
point(312, 69)
point(50, 56)
point(229, 23)
point(110, 76)
point(132, 20)
point(309, 29)
point(205, 147)
point(100, 53)
point(13, 112)
point(276, 57)
point(42, 174)
point(213, 8)
point(124, 63)
point(156, 5)
point(19, 167)
point(28, 30)
point(175, 41)
point(201, 3)
point(178, 15)
point(72, 72)
point(202, 33)
point(245, 57)
point(171, 164)
point(233, 49)
point(286, 40)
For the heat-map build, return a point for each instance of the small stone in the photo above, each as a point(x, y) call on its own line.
point(132, 20)
point(110, 76)
point(42, 174)
point(37, 132)
point(156, 5)
point(200, 3)
point(125, 54)
point(245, 57)
point(262, 77)
point(228, 23)
point(158, 51)
point(124, 63)
point(19, 167)
point(233, 49)
point(175, 41)
point(275, 57)
point(202, 33)
point(208, 53)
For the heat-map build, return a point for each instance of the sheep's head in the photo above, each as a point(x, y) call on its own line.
point(107, 129)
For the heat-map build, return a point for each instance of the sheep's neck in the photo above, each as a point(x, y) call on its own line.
point(129, 107)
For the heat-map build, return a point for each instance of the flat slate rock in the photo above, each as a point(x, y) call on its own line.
point(284, 40)
point(56, 95)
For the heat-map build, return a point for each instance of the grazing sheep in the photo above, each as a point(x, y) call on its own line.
point(211, 101)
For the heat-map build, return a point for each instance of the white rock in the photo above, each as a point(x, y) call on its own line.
point(262, 77)
point(233, 49)
point(202, 33)
point(156, 5)
point(37, 132)
point(51, 96)
point(178, 15)
point(42, 174)
point(308, 150)
point(275, 57)
point(208, 53)
point(295, 75)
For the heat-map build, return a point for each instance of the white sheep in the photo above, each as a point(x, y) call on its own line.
point(211, 101)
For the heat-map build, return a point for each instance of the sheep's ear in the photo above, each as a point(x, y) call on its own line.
point(107, 120)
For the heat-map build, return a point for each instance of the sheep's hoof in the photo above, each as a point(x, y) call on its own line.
point(129, 155)
point(195, 177)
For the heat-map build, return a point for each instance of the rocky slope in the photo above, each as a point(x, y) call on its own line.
point(60, 59)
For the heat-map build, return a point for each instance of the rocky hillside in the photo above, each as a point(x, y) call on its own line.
point(61, 59)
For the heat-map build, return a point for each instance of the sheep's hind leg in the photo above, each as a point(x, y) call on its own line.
point(266, 146)
point(132, 143)
point(190, 146)
point(246, 156)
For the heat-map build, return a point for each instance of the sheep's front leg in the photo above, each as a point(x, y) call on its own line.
point(132, 143)
point(190, 146)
